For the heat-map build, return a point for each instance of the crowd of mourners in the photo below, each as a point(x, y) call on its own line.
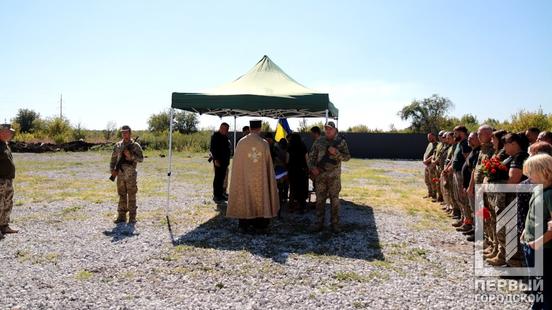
point(458, 162)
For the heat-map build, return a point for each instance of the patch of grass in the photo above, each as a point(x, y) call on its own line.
point(37, 259)
point(415, 254)
point(83, 275)
point(350, 277)
point(129, 275)
point(382, 264)
point(22, 255)
point(319, 256)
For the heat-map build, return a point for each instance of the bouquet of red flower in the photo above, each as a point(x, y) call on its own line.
point(435, 180)
point(483, 213)
point(494, 170)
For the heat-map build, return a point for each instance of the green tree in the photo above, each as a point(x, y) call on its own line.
point(159, 122)
point(493, 123)
point(470, 121)
point(186, 122)
point(26, 118)
point(427, 114)
point(265, 127)
point(526, 119)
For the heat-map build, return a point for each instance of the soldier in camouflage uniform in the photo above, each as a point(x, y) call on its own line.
point(324, 162)
point(435, 169)
point(445, 178)
point(484, 133)
point(440, 168)
point(428, 155)
point(449, 186)
point(127, 153)
point(7, 174)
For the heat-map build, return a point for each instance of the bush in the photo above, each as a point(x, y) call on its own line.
point(525, 119)
point(196, 142)
point(59, 129)
point(78, 133)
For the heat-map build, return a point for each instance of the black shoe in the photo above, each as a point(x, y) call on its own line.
point(219, 199)
point(470, 238)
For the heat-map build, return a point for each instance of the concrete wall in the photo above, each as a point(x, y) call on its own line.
point(384, 145)
point(381, 145)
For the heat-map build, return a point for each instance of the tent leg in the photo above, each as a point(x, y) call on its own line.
point(235, 134)
point(327, 114)
point(169, 175)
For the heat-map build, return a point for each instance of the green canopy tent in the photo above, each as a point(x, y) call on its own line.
point(264, 91)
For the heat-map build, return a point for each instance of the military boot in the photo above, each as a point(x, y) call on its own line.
point(121, 218)
point(8, 230)
point(132, 217)
point(458, 223)
point(498, 260)
point(492, 254)
point(488, 249)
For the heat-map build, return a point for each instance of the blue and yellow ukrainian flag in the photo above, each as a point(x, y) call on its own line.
point(282, 129)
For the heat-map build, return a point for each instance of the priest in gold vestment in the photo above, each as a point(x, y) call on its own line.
point(253, 197)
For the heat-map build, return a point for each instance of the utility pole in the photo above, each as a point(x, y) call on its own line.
point(61, 106)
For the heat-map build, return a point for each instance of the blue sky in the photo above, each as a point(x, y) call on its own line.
point(120, 60)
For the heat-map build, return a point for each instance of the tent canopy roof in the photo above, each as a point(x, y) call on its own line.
point(265, 91)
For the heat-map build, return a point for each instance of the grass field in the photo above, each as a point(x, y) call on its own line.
point(393, 245)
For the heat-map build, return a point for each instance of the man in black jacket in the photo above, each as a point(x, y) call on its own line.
point(221, 149)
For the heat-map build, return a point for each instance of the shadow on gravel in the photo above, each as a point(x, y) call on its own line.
point(290, 234)
point(120, 232)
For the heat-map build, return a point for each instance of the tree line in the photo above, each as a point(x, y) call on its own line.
point(425, 115)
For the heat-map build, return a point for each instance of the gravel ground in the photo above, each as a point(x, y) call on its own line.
point(76, 258)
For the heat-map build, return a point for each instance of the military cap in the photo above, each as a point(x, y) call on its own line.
point(330, 124)
point(255, 123)
point(6, 126)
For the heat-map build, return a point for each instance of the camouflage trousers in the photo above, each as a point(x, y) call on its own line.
point(328, 185)
point(446, 189)
point(460, 198)
point(428, 175)
point(436, 174)
point(127, 188)
point(497, 203)
point(6, 201)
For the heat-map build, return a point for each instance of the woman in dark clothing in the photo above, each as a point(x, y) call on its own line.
point(516, 146)
point(297, 172)
point(498, 144)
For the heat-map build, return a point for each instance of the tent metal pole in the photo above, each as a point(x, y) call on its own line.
point(327, 114)
point(235, 134)
point(169, 172)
